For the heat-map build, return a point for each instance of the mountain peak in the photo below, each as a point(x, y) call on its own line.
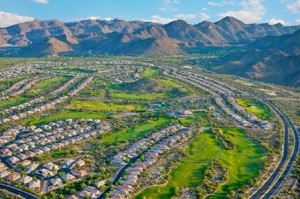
point(178, 22)
point(230, 19)
point(204, 24)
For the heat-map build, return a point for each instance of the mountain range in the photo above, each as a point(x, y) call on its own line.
point(274, 59)
point(119, 37)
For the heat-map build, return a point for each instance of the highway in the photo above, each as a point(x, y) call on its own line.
point(270, 186)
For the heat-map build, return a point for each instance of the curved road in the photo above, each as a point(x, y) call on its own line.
point(290, 164)
point(269, 188)
point(17, 191)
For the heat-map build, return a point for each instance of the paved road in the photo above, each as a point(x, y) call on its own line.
point(290, 164)
point(269, 188)
point(17, 191)
point(124, 168)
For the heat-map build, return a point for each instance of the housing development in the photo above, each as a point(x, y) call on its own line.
point(143, 127)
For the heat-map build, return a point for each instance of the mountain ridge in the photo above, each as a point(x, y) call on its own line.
point(120, 37)
point(274, 59)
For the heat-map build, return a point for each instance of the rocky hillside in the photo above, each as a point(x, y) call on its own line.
point(273, 59)
point(119, 37)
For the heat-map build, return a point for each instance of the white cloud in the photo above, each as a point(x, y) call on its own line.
point(168, 5)
point(172, 1)
point(41, 1)
point(220, 3)
point(159, 19)
point(251, 12)
point(163, 20)
point(90, 17)
point(274, 21)
point(8, 19)
point(204, 16)
point(293, 6)
point(298, 21)
point(210, 3)
point(99, 17)
point(185, 16)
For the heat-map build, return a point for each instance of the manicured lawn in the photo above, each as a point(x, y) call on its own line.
point(151, 72)
point(147, 96)
point(56, 154)
point(50, 83)
point(175, 84)
point(255, 107)
point(244, 163)
point(13, 102)
point(136, 96)
point(65, 115)
point(196, 117)
point(6, 84)
point(59, 154)
point(134, 133)
point(101, 106)
point(190, 171)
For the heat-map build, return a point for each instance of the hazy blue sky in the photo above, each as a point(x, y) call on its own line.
point(163, 11)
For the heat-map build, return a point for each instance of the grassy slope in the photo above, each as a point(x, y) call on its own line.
point(101, 106)
point(191, 119)
point(6, 84)
point(137, 132)
point(243, 163)
point(176, 84)
point(65, 115)
point(50, 83)
point(257, 108)
point(43, 85)
point(13, 102)
point(136, 96)
point(150, 72)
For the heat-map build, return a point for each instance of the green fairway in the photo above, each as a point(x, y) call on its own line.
point(244, 163)
point(176, 84)
point(47, 84)
point(200, 118)
point(136, 96)
point(137, 132)
point(6, 84)
point(255, 107)
point(101, 106)
point(151, 72)
point(59, 154)
point(13, 102)
point(148, 96)
point(65, 115)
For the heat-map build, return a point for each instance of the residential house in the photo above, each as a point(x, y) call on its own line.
point(4, 173)
point(35, 185)
point(68, 177)
point(54, 183)
point(26, 180)
point(14, 160)
point(13, 177)
point(79, 173)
